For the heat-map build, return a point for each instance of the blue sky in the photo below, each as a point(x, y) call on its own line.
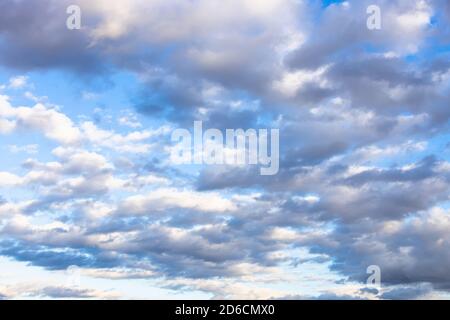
point(86, 181)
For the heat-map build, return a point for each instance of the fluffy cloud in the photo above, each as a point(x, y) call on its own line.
point(363, 116)
point(165, 199)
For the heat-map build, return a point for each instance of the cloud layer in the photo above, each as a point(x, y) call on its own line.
point(364, 171)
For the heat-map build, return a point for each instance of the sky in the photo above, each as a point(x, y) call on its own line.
point(91, 207)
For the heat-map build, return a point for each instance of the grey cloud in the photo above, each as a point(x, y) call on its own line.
point(407, 293)
point(34, 36)
point(423, 170)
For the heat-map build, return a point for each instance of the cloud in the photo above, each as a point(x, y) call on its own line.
point(166, 199)
point(363, 118)
point(52, 123)
point(20, 26)
point(29, 148)
point(39, 290)
point(132, 142)
point(17, 82)
point(407, 293)
point(70, 293)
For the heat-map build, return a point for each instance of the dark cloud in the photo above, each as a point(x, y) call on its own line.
point(44, 257)
point(407, 293)
point(34, 36)
point(58, 292)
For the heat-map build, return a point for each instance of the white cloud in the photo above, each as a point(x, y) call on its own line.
point(77, 161)
point(8, 179)
point(52, 123)
point(130, 121)
point(18, 82)
point(29, 148)
point(291, 82)
point(165, 199)
point(133, 142)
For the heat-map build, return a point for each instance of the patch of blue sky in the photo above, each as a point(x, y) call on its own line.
point(326, 3)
